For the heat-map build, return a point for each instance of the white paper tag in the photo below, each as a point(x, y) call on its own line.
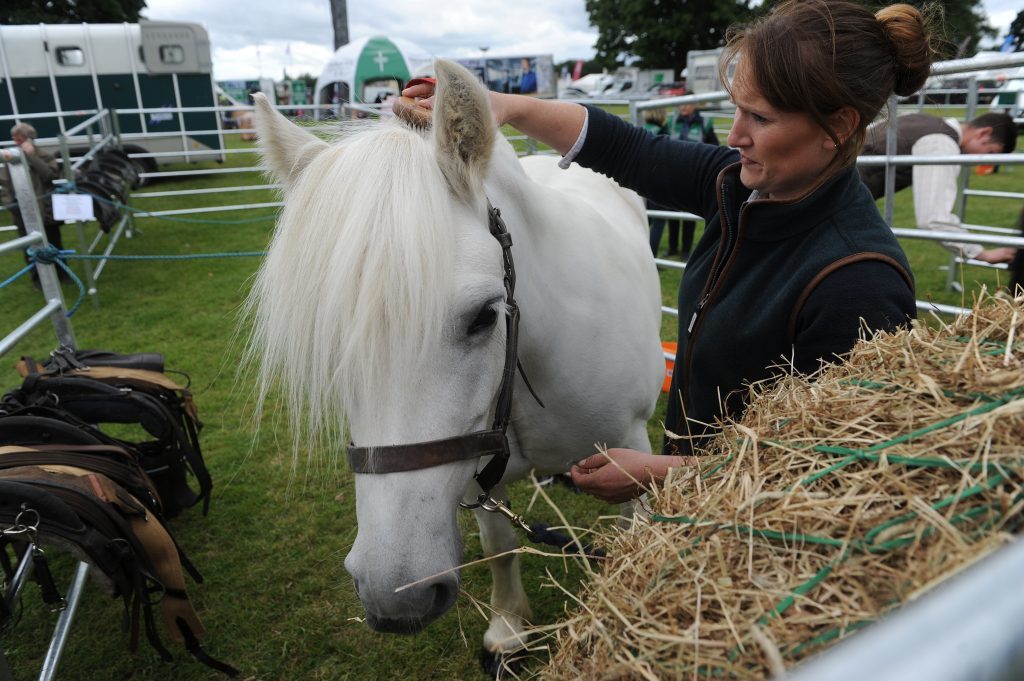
point(72, 207)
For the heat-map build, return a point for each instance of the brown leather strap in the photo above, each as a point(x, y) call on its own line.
point(842, 262)
point(143, 377)
point(20, 449)
point(410, 457)
point(398, 458)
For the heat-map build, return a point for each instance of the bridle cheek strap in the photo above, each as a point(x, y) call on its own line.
point(478, 444)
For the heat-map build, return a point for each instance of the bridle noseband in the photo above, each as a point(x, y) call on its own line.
point(493, 442)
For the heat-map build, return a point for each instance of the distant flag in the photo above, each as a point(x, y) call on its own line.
point(1007, 45)
point(577, 70)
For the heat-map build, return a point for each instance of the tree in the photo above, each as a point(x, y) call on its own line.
point(1017, 32)
point(958, 25)
point(963, 25)
point(70, 11)
point(589, 66)
point(659, 33)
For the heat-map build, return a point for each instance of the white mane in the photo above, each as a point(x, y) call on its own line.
point(352, 292)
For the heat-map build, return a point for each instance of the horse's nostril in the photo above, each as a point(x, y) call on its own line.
point(444, 597)
point(440, 593)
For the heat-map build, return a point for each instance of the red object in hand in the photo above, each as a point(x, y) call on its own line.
point(418, 81)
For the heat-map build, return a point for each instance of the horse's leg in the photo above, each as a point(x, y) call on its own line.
point(510, 607)
point(637, 439)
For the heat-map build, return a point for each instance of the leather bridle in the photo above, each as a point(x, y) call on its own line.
point(480, 443)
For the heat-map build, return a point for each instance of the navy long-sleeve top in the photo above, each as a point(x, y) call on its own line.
point(772, 285)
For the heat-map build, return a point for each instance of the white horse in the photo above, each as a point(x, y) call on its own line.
point(381, 309)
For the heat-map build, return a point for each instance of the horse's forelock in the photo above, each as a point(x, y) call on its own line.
point(354, 289)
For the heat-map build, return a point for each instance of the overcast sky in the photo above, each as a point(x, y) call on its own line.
point(253, 38)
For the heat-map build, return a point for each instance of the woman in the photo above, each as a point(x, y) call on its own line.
point(795, 257)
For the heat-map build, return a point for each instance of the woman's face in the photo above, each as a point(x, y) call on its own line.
point(783, 154)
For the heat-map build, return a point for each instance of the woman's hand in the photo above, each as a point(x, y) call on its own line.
point(556, 124)
point(997, 255)
point(622, 474)
point(423, 93)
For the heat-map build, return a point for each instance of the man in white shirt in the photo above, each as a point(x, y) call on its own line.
point(935, 186)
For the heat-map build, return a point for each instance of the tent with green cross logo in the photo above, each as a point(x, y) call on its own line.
point(368, 69)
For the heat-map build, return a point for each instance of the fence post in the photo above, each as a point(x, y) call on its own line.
point(116, 133)
point(33, 219)
point(960, 207)
point(83, 241)
point(892, 112)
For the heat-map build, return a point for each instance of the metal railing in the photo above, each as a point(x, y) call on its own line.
point(968, 629)
point(54, 310)
point(109, 134)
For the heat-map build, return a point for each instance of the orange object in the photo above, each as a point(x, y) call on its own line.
point(985, 169)
point(669, 366)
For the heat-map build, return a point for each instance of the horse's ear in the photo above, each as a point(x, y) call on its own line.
point(463, 127)
point(286, 148)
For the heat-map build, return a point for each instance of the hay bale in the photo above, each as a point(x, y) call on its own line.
point(828, 504)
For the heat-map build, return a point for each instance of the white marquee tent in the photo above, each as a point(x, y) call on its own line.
point(368, 68)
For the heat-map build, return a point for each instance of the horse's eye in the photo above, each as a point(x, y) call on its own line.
point(484, 320)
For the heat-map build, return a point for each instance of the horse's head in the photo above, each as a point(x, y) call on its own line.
point(380, 309)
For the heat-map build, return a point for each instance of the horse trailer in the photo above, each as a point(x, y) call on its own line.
point(151, 73)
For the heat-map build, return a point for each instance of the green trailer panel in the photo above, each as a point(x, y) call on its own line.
point(35, 96)
point(76, 93)
point(196, 90)
point(158, 92)
point(118, 92)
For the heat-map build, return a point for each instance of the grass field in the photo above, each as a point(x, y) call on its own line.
point(277, 602)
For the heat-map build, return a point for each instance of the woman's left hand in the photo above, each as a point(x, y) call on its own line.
point(997, 255)
point(621, 474)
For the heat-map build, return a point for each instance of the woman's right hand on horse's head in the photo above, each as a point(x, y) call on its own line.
point(423, 93)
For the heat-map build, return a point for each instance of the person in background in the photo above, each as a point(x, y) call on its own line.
point(528, 79)
point(654, 123)
point(795, 259)
point(935, 187)
point(43, 170)
point(690, 126)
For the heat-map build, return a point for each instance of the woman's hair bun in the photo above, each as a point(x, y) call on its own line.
point(906, 28)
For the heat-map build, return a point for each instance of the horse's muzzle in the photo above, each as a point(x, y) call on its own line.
point(409, 611)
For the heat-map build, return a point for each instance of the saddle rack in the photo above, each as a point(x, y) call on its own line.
point(25, 567)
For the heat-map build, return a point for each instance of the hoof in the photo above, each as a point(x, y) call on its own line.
point(499, 665)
